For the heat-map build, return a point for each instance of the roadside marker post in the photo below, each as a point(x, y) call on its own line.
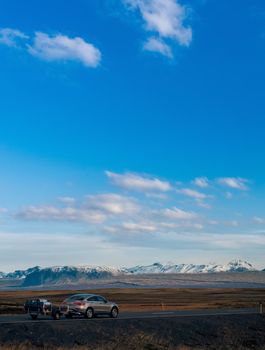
point(261, 308)
point(162, 306)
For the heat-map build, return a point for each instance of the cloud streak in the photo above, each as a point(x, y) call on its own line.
point(112, 203)
point(11, 37)
point(137, 182)
point(95, 209)
point(193, 193)
point(179, 214)
point(202, 182)
point(237, 183)
point(50, 213)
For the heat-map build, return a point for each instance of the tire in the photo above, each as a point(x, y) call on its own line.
point(89, 313)
point(34, 317)
point(114, 312)
point(69, 316)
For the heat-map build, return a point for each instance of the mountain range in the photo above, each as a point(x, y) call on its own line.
point(61, 275)
point(233, 266)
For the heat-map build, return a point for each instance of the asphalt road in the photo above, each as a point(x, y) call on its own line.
point(14, 319)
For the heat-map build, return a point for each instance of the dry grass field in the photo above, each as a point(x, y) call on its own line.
point(147, 299)
point(230, 332)
point(25, 346)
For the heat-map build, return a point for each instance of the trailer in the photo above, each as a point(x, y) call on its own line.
point(41, 307)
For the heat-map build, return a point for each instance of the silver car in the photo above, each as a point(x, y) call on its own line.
point(88, 305)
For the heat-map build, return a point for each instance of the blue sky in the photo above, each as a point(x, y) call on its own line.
point(131, 131)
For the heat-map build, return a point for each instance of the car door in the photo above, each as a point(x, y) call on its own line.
point(102, 305)
point(93, 302)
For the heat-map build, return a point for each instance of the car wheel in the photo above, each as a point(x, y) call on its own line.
point(34, 317)
point(68, 316)
point(89, 313)
point(114, 312)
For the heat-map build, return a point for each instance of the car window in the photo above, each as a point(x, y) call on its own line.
point(101, 299)
point(76, 297)
point(92, 299)
point(72, 297)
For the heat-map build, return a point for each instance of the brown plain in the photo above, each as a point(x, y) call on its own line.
point(145, 299)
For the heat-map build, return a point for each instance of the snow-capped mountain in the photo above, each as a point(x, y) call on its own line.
point(233, 266)
point(61, 275)
point(239, 266)
point(69, 275)
point(20, 274)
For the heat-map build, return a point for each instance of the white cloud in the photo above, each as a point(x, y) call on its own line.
point(166, 18)
point(199, 197)
point(67, 200)
point(259, 220)
point(233, 182)
point(202, 182)
point(179, 214)
point(136, 182)
point(3, 210)
point(62, 48)
point(202, 204)
point(49, 213)
point(112, 203)
point(158, 45)
point(10, 37)
point(96, 209)
point(193, 193)
point(151, 226)
point(172, 226)
point(139, 227)
point(54, 48)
